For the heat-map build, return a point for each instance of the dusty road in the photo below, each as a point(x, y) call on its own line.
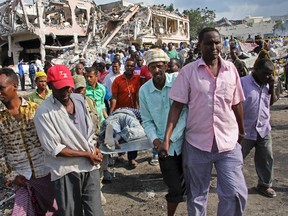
point(141, 191)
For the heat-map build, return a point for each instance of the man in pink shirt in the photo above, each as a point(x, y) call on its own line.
point(212, 90)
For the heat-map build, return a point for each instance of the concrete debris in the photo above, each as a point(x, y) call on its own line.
point(70, 30)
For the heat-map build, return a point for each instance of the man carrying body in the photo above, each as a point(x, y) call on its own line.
point(22, 157)
point(125, 94)
point(212, 89)
point(155, 91)
point(258, 88)
point(66, 132)
point(42, 92)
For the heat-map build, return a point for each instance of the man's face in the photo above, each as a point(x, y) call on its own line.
point(80, 70)
point(91, 78)
point(101, 67)
point(41, 83)
point(139, 61)
point(8, 90)
point(211, 45)
point(157, 70)
point(117, 57)
point(170, 46)
point(173, 66)
point(116, 68)
point(129, 67)
point(63, 94)
point(80, 90)
point(265, 74)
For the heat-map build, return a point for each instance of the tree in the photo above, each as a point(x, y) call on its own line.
point(199, 19)
point(170, 8)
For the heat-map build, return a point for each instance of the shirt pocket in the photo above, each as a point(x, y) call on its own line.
point(226, 92)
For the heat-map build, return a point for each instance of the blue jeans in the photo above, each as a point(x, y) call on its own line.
point(231, 187)
point(263, 158)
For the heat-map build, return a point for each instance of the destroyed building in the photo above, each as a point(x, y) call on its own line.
point(149, 24)
point(43, 28)
point(67, 30)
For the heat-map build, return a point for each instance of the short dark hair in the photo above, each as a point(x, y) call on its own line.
point(10, 73)
point(91, 69)
point(130, 59)
point(116, 62)
point(205, 30)
point(262, 63)
point(176, 60)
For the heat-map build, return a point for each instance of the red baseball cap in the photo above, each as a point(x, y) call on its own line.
point(60, 76)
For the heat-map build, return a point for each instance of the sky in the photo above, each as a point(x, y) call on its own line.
point(231, 9)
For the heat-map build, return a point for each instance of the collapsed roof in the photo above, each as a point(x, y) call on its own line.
point(66, 29)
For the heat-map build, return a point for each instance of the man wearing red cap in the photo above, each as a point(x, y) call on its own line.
point(66, 132)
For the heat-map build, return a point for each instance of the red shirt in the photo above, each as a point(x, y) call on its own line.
point(126, 90)
point(145, 73)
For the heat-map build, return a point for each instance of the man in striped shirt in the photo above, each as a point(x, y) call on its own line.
point(21, 154)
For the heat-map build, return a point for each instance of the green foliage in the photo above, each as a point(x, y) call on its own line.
point(170, 8)
point(199, 19)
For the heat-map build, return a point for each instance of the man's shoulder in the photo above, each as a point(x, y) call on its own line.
point(101, 86)
point(31, 95)
point(46, 105)
point(32, 104)
point(146, 86)
point(119, 78)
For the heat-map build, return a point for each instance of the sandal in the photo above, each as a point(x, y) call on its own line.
point(266, 191)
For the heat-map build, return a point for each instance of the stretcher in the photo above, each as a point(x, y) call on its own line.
point(133, 145)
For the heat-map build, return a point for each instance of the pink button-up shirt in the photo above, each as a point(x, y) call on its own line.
point(210, 101)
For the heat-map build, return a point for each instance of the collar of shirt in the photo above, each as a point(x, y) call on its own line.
point(47, 92)
point(89, 87)
point(167, 84)
point(251, 78)
point(224, 67)
point(124, 78)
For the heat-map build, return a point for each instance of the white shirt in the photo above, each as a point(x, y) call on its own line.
point(108, 80)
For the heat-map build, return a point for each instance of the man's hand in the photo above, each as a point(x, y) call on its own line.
point(20, 181)
point(271, 81)
point(156, 143)
point(163, 149)
point(96, 157)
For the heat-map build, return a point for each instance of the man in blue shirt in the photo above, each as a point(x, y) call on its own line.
point(154, 108)
point(258, 88)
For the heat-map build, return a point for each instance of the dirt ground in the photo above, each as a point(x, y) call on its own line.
point(141, 191)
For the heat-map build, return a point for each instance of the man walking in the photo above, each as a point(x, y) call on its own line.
point(66, 132)
point(125, 94)
point(22, 161)
point(212, 90)
point(258, 88)
point(155, 91)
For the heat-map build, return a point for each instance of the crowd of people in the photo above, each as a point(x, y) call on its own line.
point(199, 111)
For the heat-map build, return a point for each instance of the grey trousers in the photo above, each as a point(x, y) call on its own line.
point(78, 194)
point(231, 187)
point(263, 158)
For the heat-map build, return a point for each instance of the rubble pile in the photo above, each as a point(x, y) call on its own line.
point(69, 30)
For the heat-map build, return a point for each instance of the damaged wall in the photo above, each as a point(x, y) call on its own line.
point(73, 29)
